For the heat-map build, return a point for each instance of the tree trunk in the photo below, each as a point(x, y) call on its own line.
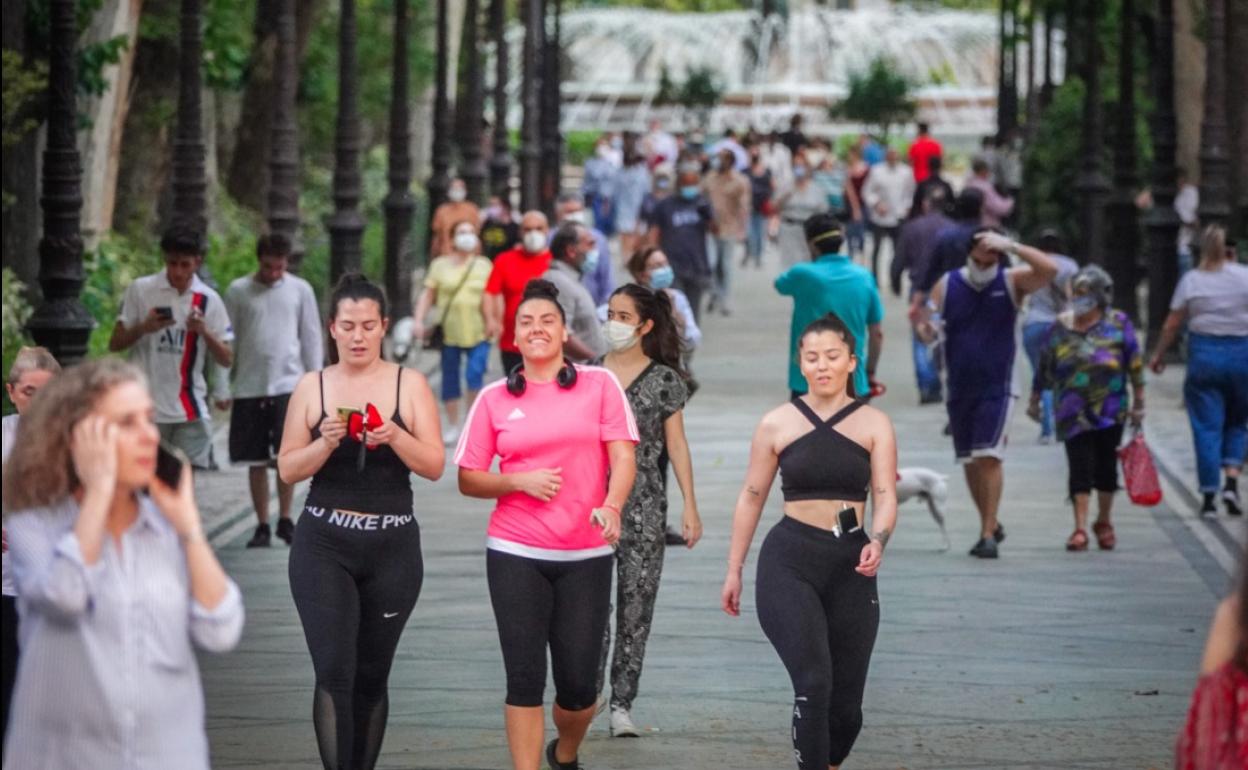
point(248, 178)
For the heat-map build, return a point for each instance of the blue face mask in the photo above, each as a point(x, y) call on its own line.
point(1083, 304)
point(591, 261)
point(662, 277)
point(689, 192)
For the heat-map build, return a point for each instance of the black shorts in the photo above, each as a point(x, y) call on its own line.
point(256, 429)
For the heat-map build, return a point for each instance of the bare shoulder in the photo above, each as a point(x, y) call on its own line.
point(876, 421)
point(412, 376)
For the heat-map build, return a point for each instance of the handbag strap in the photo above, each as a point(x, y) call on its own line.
point(455, 292)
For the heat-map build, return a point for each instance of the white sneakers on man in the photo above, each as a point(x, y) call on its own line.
point(622, 724)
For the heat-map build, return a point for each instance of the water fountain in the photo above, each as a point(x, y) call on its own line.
point(773, 67)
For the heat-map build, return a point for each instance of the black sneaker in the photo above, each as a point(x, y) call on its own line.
point(1208, 509)
point(986, 548)
point(998, 534)
point(261, 539)
point(1230, 498)
point(286, 529)
point(556, 764)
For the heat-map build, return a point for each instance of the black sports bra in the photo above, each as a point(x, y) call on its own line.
point(825, 464)
point(384, 486)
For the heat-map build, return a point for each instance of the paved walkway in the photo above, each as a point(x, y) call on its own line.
point(1042, 659)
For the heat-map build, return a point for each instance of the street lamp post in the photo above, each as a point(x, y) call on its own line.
point(552, 142)
point(1215, 184)
point(283, 200)
point(61, 323)
point(1123, 216)
point(440, 179)
point(474, 171)
point(399, 204)
point(1163, 220)
point(1046, 90)
point(530, 96)
point(1091, 184)
point(190, 182)
point(346, 224)
point(500, 158)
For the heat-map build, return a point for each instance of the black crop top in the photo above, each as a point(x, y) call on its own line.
point(825, 464)
point(384, 486)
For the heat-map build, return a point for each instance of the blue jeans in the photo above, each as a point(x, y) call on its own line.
point(1216, 392)
point(478, 357)
point(925, 372)
point(754, 239)
point(1033, 335)
point(725, 255)
point(856, 233)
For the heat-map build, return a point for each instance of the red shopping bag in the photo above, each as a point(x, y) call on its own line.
point(1138, 472)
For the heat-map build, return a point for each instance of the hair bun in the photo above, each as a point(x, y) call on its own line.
point(540, 288)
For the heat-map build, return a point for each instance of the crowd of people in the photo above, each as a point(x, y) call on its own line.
point(572, 444)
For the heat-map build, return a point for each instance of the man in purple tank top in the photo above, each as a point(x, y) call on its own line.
point(978, 306)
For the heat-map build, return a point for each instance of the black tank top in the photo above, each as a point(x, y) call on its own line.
point(384, 486)
point(825, 464)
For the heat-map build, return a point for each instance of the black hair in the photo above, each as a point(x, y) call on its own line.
point(979, 164)
point(825, 231)
point(183, 241)
point(358, 287)
point(831, 322)
point(923, 127)
point(662, 343)
point(273, 245)
point(567, 235)
point(935, 164)
point(540, 288)
point(968, 204)
point(1050, 241)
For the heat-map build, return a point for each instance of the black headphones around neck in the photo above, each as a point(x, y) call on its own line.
point(516, 384)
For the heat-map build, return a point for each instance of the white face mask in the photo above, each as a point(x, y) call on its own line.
point(978, 276)
point(466, 242)
point(535, 241)
point(457, 194)
point(620, 336)
point(577, 217)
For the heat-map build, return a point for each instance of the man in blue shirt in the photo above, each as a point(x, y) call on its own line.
point(832, 283)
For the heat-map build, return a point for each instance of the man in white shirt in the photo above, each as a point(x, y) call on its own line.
point(1186, 205)
point(278, 338)
point(889, 191)
point(172, 322)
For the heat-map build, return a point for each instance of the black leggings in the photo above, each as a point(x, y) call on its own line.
point(821, 616)
point(355, 580)
point(1092, 457)
point(8, 645)
point(563, 604)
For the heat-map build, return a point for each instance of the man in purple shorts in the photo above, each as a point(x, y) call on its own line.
point(978, 305)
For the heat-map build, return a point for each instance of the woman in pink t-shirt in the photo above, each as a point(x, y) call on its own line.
point(564, 436)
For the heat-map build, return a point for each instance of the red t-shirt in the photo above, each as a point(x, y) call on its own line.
point(513, 269)
point(924, 149)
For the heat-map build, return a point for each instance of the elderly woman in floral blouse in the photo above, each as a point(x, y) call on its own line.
point(1087, 360)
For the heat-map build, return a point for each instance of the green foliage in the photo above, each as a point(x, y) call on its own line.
point(92, 58)
point(23, 87)
point(1051, 165)
point(699, 92)
point(671, 6)
point(579, 146)
point(16, 311)
point(228, 38)
point(881, 97)
point(92, 61)
point(669, 92)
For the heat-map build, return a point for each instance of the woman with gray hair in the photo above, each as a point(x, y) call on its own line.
point(115, 583)
point(1213, 300)
point(31, 370)
point(1087, 359)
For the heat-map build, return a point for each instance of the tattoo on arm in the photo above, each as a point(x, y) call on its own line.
point(882, 537)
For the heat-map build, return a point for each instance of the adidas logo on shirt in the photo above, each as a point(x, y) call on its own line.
point(516, 414)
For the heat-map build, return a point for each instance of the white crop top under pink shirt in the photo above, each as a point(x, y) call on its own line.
point(549, 427)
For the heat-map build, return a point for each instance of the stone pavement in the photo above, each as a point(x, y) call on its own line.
point(1042, 659)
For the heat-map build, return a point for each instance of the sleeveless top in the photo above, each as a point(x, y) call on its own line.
point(825, 464)
point(979, 338)
point(384, 486)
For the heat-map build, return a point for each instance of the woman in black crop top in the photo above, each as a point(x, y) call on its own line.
point(355, 563)
point(815, 587)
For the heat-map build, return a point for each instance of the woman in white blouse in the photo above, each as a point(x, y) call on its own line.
point(115, 582)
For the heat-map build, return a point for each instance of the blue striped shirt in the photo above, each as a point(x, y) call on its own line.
point(107, 677)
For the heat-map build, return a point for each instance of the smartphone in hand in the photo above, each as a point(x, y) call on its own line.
point(165, 312)
point(169, 463)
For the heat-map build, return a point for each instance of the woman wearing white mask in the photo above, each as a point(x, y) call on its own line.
point(644, 355)
point(795, 204)
point(649, 267)
point(457, 208)
point(454, 285)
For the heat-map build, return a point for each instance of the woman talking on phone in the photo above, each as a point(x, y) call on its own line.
point(815, 590)
point(115, 583)
point(355, 564)
point(564, 435)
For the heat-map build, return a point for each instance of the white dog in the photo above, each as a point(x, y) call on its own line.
point(929, 486)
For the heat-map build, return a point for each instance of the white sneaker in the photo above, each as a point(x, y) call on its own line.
point(622, 724)
point(450, 435)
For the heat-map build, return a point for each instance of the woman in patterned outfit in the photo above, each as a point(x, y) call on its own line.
point(645, 352)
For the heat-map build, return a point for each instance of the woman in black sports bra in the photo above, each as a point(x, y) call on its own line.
point(355, 563)
point(815, 591)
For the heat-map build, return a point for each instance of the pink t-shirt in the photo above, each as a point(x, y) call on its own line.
point(549, 427)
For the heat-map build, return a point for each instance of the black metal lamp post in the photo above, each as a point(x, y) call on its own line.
point(190, 182)
point(1091, 185)
point(346, 224)
point(399, 204)
point(1215, 182)
point(283, 199)
point(552, 142)
point(1163, 220)
point(530, 133)
point(440, 178)
point(1121, 257)
point(474, 171)
point(500, 158)
point(61, 323)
